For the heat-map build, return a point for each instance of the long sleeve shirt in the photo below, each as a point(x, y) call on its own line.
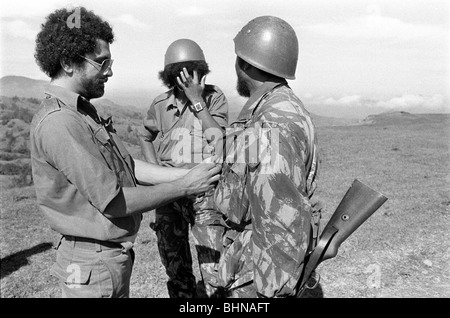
point(79, 166)
point(269, 175)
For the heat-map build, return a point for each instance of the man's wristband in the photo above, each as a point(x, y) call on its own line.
point(197, 107)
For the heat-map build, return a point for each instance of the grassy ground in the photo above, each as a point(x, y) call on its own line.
point(403, 250)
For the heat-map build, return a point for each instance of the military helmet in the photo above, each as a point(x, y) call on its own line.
point(270, 44)
point(183, 50)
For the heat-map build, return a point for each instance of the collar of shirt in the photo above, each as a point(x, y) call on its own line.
point(74, 100)
point(68, 97)
point(249, 107)
point(173, 102)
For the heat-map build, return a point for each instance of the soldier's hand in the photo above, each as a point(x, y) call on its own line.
point(192, 87)
point(201, 178)
point(214, 159)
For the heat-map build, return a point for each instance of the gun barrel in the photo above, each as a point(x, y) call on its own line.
point(358, 204)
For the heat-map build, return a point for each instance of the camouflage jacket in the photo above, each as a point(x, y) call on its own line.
point(269, 175)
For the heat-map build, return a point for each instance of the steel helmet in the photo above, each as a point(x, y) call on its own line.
point(183, 50)
point(270, 44)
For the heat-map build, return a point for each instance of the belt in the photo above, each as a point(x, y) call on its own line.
point(93, 244)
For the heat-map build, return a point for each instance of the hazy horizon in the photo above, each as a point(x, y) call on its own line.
point(356, 57)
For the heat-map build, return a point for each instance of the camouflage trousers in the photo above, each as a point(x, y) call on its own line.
point(237, 257)
point(171, 226)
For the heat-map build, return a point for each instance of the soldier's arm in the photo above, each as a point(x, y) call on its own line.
point(148, 150)
point(131, 200)
point(148, 133)
point(280, 217)
point(193, 88)
point(154, 174)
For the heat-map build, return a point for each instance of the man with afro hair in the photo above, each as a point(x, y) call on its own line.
point(86, 181)
point(183, 127)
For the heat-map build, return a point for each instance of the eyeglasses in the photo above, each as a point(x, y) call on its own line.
point(102, 68)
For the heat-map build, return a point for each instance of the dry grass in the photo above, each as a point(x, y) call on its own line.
point(406, 242)
point(401, 251)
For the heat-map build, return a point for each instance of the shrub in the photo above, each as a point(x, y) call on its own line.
point(8, 156)
point(10, 168)
point(24, 178)
point(33, 100)
point(17, 113)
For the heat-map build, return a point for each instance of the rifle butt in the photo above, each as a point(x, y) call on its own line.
point(357, 205)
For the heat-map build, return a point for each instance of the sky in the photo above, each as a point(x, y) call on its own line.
point(356, 57)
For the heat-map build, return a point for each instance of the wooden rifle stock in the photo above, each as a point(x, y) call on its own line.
point(357, 205)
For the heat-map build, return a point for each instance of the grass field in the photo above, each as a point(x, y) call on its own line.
point(403, 250)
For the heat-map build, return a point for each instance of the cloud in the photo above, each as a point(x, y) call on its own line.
point(133, 22)
point(20, 29)
point(191, 12)
point(26, 9)
point(412, 102)
point(353, 100)
point(432, 102)
point(378, 27)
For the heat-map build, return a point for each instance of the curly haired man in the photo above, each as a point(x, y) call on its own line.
point(86, 181)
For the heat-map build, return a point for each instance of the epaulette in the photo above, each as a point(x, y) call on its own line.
point(51, 104)
point(212, 88)
point(48, 105)
point(161, 97)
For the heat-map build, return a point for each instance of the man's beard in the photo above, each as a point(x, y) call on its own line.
point(242, 87)
point(93, 88)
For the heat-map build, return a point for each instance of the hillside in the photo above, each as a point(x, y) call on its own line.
point(11, 86)
point(404, 118)
point(319, 121)
point(16, 114)
point(20, 86)
point(18, 105)
point(402, 251)
point(126, 120)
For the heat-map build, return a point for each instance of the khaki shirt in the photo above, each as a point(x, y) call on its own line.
point(79, 165)
point(170, 125)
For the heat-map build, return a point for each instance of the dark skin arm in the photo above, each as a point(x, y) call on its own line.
point(193, 89)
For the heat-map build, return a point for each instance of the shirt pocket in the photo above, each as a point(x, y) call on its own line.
point(103, 141)
point(166, 140)
point(112, 159)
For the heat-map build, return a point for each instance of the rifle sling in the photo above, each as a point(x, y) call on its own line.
point(315, 257)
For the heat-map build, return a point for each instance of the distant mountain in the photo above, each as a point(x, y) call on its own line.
point(323, 121)
point(403, 118)
point(318, 120)
point(108, 108)
point(21, 86)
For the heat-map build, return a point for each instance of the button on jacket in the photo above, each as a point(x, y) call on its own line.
point(79, 165)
